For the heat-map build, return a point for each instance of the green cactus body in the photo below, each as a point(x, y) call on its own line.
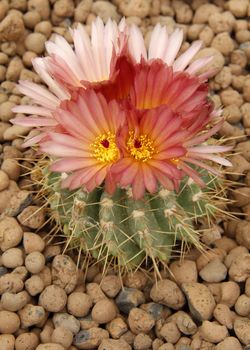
point(126, 231)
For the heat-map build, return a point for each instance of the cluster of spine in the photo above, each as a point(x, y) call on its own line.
point(125, 232)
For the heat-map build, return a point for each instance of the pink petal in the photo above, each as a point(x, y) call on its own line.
point(72, 164)
point(182, 62)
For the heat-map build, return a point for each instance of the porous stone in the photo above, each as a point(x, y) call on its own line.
point(64, 273)
point(67, 321)
point(90, 339)
point(200, 300)
point(79, 304)
point(213, 332)
point(9, 322)
point(104, 311)
point(242, 329)
point(31, 315)
point(26, 341)
point(129, 298)
point(214, 271)
point(11, 28)
point(140, 321)
point(113, 344)
point(53, 298)
point(167, 292)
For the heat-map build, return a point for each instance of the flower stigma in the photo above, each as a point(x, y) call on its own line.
point(105, 149)
point(141, 148)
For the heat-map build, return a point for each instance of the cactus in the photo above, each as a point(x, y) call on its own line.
point(119, 230)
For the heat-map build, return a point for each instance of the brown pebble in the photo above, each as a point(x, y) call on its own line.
point(90, 339)
point(35, 42)
point(111, 285)
point(11, 28)
point(9, 322)
point(26, 341)
point(62, 336)
point(10, 283)
point(223, 315)
point(184, 271)
point(114, 344)
point(239, 270)
point(34, 285)
point(31, 315)
point(7, 342)
point(200, 300)
point(62, 319)
point(53, 298)
point(34, 262)
point(142, 342)
point(140, 321)
point(64, 273)
point(242, 329)
point(32, 217)
point(230, 292)
point(12, 168)
point(11, 233)
point(104, 311)
point(32, 242)
point(229, 343)
point(117, 327)
point(214, 271)
point(14, 302)
point(212, 332)
point(170, 332)
point(12, 258)
point(79, 304)
point(242, 305)
point(167, 292)
point(50, 346)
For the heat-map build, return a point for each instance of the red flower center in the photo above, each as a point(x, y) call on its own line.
point(137, 144)
point(105, 143)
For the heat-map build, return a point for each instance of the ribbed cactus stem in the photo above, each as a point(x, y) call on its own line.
point(117, 228)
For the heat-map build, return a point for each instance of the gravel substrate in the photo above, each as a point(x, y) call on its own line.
point(203, 301)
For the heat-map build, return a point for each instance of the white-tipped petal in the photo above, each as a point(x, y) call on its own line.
point(183, 61)
point(173, 46)
point(136, 44)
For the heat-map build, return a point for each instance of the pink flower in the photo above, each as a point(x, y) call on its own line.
point(94, 61)
point(166, 47)
point(157, 147)
point(89, 148)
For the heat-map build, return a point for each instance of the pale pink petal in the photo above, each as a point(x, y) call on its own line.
point(210, 149)
point(27, 109)
point(202, 165)
point(41, 66)
point(173, 46)
point(33, 121)
point(34, 140)
point(198, 64)
point(60, 150)
point(214, 158)
point(158, 42)
point(136, 44)
point(182, 62)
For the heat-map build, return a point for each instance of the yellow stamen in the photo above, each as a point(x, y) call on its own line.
point(104, 148)
point(140, 147)
point(175, 160)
